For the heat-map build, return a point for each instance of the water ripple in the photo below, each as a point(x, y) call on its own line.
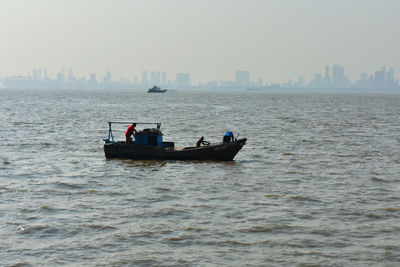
point(317, 183)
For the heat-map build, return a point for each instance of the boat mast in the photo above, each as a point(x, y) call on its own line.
point(110, 135)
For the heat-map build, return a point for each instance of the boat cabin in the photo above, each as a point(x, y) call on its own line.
point(149, 137)
point(146, 137)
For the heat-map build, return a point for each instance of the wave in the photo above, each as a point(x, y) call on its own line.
point(304, 198)
point(270, 228)
point(69, 185)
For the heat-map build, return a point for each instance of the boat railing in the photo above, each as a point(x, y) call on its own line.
point(110, 134)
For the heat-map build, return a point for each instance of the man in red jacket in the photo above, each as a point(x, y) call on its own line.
point(129, 132)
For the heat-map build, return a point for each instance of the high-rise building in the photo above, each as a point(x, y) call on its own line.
point(379, 79)
point(93, 78)
point(364, 76)
point(363, 82)
point(37, 74)
point(71, 76)
point(301, 82)
point(317, 81)
point(338, 79)
point(145, 80)
point(390, 82)
point(61, 75)
point(390, 74)
point(183, 80)
point(163, 78)
point(158, 78)
point(371, 82)
point(327, 78)
point(242, 78)
point(153, 78)
point(107, 78)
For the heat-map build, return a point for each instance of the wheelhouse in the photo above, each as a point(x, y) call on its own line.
point(149, 137)
point(145, 137)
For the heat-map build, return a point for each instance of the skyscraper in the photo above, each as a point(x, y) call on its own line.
point(390, 82)
point(379, 79)
point(183, 80)
point(158, 78)
point(71, 76)
point(152, 78)
point(338, 76)
point(145, 80)
point(37, 74)
point(242, 78)
point(107, 78)
point(163, 78)
point(93, 78)
point(317, 81)
point(327, 78)
point(363, 82)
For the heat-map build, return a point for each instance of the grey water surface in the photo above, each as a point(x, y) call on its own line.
point(318, 182)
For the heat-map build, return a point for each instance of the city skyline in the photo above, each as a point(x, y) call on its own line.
point(334, 77)
point(275, 40)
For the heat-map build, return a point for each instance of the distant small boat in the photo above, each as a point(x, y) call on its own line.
point(156, 89)
point(149, 144)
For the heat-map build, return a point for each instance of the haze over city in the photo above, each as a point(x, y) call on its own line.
point(211, 40)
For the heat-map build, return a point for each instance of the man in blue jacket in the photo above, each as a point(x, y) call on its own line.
point(228, 137)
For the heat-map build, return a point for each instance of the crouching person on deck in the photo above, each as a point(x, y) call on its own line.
point(200, 141)
point(129, 132)
point(228, 137)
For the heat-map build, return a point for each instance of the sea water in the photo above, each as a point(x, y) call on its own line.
point(318, 182)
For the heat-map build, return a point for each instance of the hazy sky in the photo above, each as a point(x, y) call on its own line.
point(210, 39)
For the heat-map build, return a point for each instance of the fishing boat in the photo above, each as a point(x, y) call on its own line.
point(148, 144)
point(156, 89)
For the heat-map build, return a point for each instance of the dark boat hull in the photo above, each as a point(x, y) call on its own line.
point(162, 91)
point(221, 151)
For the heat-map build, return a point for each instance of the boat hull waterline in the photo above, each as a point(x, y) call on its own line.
point(156, 89)
point(220, 151)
